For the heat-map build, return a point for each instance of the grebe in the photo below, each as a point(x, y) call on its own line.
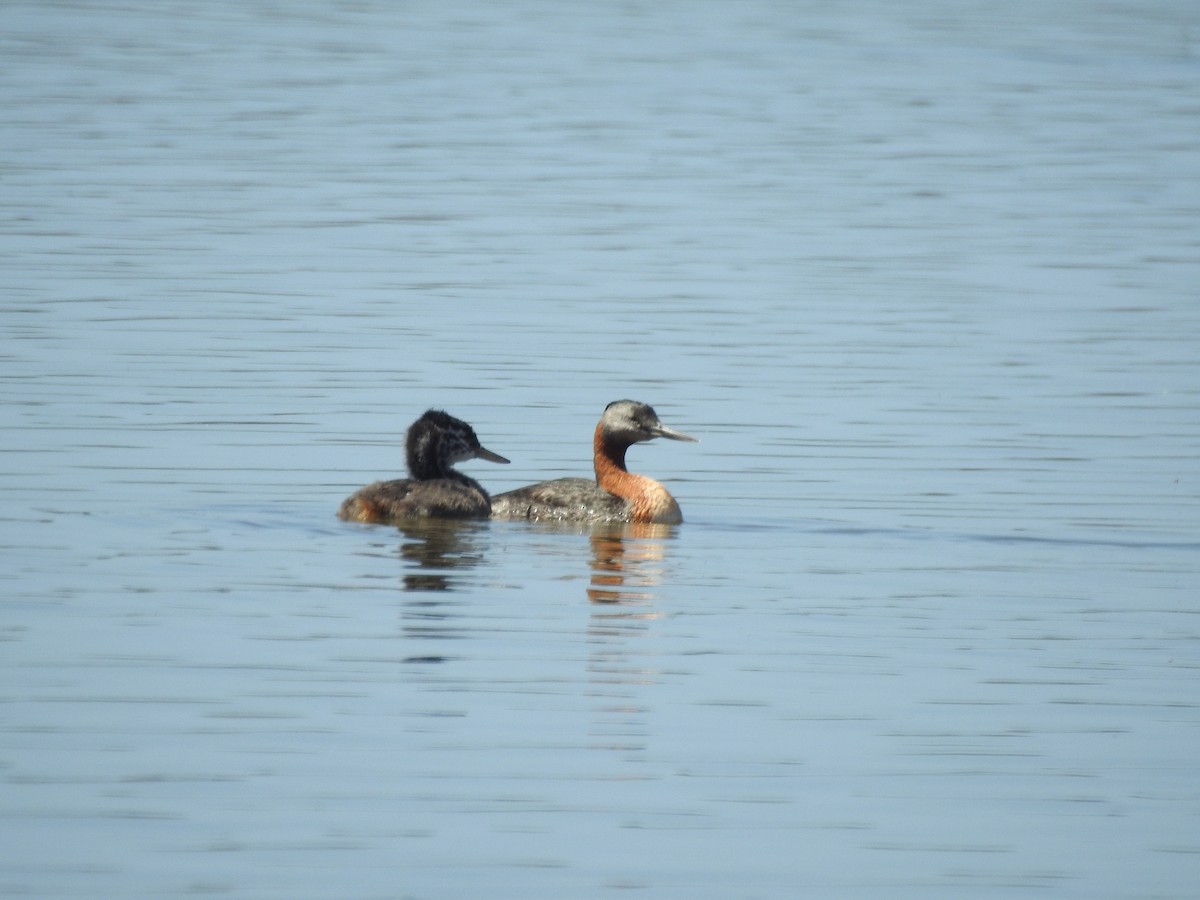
point(434, 443)
point(617, 495)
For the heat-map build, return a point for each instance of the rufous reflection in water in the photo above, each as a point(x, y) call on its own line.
point(627, 562)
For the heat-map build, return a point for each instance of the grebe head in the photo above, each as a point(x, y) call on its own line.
point(630, 422)
point(437, 440)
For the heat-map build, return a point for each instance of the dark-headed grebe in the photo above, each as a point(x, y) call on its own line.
point(617, 495)
point(435, 442)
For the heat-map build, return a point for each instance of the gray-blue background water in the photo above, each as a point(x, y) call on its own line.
point(925, 280)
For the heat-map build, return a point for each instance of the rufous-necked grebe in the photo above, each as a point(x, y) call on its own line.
point(434, 443)
point(617, 495)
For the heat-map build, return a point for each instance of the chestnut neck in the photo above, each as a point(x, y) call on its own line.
point(649, 500)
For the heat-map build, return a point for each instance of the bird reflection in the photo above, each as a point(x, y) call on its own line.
point(627, 562)
point(437, 550)
point(436, 553)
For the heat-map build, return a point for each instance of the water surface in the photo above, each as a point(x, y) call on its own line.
point(922, 280)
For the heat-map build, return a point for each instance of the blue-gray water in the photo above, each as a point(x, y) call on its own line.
point(925, 280)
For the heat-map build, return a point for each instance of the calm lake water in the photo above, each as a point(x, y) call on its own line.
point(923, 278)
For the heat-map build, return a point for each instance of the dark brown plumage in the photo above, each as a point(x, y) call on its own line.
point(434, 443)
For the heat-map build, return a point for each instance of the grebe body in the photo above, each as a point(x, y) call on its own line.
point(616, 494)
point(434, 443)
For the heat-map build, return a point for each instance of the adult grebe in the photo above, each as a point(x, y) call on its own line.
point(434, 443)
point(617, 495)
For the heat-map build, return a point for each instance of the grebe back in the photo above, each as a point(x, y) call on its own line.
point(616, 494)
point(433, 444)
